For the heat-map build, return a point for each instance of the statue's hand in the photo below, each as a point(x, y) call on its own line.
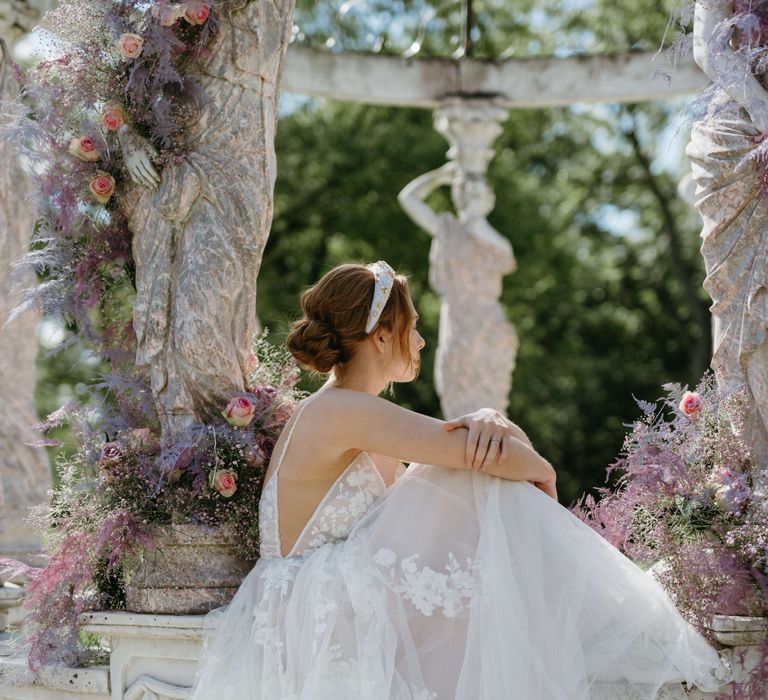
point(138, 154)
point(446, 173)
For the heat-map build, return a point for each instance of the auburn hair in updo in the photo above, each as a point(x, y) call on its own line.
point(335, 311)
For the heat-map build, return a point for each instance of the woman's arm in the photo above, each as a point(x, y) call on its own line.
point(354, 419)
point(412, 196)
point(714, 55)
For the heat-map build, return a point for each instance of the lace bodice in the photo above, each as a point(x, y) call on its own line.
point(352, 494)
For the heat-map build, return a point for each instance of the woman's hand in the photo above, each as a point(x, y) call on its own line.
point(548, 486)
point(138, 154)
point(488, 437)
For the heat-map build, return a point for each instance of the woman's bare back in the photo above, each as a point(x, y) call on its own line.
point(309, 467)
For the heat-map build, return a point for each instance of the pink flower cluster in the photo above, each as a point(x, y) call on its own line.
point(193, 12)
point(687, 495)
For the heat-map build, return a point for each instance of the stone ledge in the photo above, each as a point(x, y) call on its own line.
point(18, 681)
point(732, 631)
point(125, 624)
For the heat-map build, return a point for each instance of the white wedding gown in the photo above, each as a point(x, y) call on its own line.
point(448, 584)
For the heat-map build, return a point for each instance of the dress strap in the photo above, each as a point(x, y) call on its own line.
point(294, 420)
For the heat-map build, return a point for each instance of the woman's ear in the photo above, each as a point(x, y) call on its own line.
point(380, 337)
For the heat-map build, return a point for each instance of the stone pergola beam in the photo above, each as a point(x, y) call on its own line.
point(520, 83)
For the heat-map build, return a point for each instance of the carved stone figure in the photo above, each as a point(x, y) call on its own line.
point(200, 226)
point(732, 199)
point(25, 475)
point(477, 345)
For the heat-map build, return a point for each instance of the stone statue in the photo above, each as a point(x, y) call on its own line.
point(477, 345)
point(468, 258)
point(25, 474)
point(200, 226)
point(732, 199)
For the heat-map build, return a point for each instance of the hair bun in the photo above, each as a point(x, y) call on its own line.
point(315, 344)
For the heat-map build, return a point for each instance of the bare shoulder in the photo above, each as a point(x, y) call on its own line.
point(340, 405)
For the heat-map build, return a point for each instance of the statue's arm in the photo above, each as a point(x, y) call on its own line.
point(724, 66)
point(138, 154)
point(412, 196)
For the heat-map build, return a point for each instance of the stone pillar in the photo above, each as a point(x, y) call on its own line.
point(25, 474)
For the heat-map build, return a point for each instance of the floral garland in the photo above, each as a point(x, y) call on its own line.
point(120, 66)
point(688, 502)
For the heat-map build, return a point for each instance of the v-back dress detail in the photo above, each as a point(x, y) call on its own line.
point(447, 585)
point(349, 497)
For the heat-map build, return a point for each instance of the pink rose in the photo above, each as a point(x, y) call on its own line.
point(225, 482)
point(129, 46)
point(85, 149)
point(113, 117)
point(690, 404)
point(239, 411)
point(169, 13)
point(111, 454)
point(196, 12)
point(102, 186)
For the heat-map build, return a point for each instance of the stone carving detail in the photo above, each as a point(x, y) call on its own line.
point(477, 345)
point(199, 236)
point(148, 688)
point(24, 470)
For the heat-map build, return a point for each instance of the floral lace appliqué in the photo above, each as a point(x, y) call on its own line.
point(430, 590)
point(346, 502)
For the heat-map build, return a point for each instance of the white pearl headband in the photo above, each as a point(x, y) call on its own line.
point(385, 277)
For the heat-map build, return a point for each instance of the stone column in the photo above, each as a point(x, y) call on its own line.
point(25, 474)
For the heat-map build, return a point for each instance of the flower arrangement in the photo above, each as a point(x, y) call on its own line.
point(691, 503)
point(115, 65)
point(99, 521)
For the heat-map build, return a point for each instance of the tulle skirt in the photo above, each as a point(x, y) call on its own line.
point(454, 585)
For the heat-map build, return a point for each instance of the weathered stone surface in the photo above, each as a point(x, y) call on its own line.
point(634, 76)
point(200, 236)
point(734, 211)
point(191, 570)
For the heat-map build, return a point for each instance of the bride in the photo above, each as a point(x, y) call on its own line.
point(460, 577)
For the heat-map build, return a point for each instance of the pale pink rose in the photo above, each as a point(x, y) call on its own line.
point(690, 404)
point(169, 13)
point(85, 149)
point(252, 362)
point(102, 186)
point(129, 46)
point(225, 483)
point(196, 12)
point(113, 117)
point(111, 454)
point(239, 411)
